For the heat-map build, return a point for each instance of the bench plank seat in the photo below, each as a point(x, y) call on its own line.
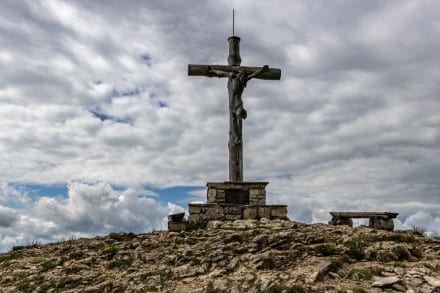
point(359, 215)
point(380, 220)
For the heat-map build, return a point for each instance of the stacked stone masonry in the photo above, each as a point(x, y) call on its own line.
point(200, 212)
point(234, 201)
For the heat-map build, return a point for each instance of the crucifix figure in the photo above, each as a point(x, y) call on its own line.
point(238, 76)
point(237, 81)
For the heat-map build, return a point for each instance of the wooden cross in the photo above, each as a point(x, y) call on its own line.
point(238, 76)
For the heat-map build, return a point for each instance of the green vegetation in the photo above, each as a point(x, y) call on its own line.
point(240, 250)
point(72, 269)
point(76, 255)
point(233, 238)
point(283, 289)
point(68, 283)
point(30, 284)
point(366, 274)
point(326, 249)
point(66, 249)
point(372, 254)
point(267, 264)
point(356, 249)
point(21, 247)
point(111, 251)
point(419, 231)
point(385, 256)
point(121, 263)
point(415, 252)
point(121, 236)
point(334, 266)
point(401, 253)
point(47, 265)
point(399, 237)
point(8, 256)
point(192, 226)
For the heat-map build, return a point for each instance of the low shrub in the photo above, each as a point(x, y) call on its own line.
point(121, 236)
point(21, 247)
point(399, 237)
point(401, 253)
point(355, 250)
point(192, 226)
point(47, 265)
point(415, 252)
point(385, 256)
point(334, 266)
point(68, 283)
point(366, 274)
point(121, 263)
point(111, 251)
point(419, 231)
point(326, 249)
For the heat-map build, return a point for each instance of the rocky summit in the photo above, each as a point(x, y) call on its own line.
point(236, 256)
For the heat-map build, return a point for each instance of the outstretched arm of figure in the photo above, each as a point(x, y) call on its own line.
point(217, 73)
point(258, 72)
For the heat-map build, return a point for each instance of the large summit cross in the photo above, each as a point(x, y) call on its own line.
point(238, 76)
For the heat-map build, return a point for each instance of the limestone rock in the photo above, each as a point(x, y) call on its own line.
point(230, 256)
point(432, 281)
point(385, 281)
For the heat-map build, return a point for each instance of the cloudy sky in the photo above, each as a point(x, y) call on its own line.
point(102, 130)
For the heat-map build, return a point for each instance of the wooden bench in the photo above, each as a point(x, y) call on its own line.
point(379, 220)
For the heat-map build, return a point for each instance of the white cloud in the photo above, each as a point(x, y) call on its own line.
point(88, 210)
point(12, 196)
point(7, 216)
point(99, 93)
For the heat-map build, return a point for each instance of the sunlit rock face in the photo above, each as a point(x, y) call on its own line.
point(231, 256)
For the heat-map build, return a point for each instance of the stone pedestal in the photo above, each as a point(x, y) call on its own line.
point(244, 193)
point(234, 201)
point(383, 224)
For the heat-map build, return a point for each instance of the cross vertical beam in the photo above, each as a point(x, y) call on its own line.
point(235, 144)
point(238, 76)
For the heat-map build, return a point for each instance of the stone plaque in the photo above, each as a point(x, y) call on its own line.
point(236, 196)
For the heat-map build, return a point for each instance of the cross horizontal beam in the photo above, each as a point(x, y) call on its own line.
point(203, 70)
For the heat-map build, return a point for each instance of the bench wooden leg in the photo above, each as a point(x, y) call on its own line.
point(383, 224)
point(336, 221)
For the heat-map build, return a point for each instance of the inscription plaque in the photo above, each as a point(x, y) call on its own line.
point(237, 196)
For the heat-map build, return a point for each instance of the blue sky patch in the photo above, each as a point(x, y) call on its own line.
point(103, 117)
point(146, 59)
point(177, 194)
point(126, 93)
point(163, 104)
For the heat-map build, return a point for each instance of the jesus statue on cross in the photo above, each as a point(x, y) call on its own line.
point(237, 81)
point(238, 76)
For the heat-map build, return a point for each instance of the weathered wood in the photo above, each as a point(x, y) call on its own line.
point(203, 70)
point(238, 77)
point(378, 220)
point(358, 215)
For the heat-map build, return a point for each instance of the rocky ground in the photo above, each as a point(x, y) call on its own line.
point(239, 256)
